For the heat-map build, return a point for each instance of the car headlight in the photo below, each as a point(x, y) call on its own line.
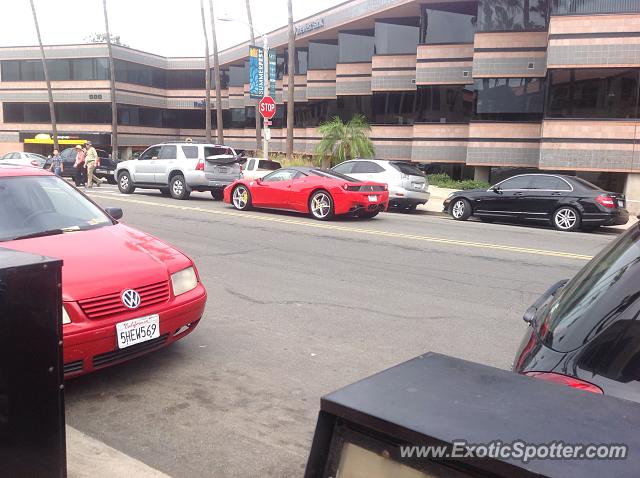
point(65, 316)
point(184, 280)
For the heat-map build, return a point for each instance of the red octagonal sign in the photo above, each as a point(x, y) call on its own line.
point(267, 107)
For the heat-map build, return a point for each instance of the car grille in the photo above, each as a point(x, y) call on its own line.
point(123, 354)
point(366, 187)
point(72, 367)
point(111, 304)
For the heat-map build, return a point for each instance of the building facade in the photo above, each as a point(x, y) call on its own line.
point(481, 88)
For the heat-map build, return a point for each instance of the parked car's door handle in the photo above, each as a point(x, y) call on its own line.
point(518, 194)
point(556, 194)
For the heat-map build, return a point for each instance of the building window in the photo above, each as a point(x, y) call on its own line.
point(76, 113)
point(78, 69)
point(448, 23)
point(513, 15)
point(586, 7)
point(323, 55)
point(356, 46)
point(397, 36)
point(302, 57)
point(224, 78)
point(186, 79)
point(128, 72)
point(444, 104)
point(509, 99)
point(311, 113)
point(236, 75)
point(349, 106)
point(593, 93)
point(394, 107)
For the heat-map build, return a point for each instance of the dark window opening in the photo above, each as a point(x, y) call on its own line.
point(509, 99)
point(356, 46)
point(397, 35)
point(448, 22)
point(323, 55)
point(513, 15)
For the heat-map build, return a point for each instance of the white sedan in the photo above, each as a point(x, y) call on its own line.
point(24, 159)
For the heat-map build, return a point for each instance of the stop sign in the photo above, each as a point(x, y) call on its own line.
point(267, 107)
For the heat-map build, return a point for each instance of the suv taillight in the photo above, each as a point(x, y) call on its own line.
point(200, 165)
point(566, 380)
point(606, 201)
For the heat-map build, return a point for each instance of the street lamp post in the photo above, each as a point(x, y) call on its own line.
point(266, 133)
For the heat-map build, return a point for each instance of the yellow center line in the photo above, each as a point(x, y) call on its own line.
point(335, 227)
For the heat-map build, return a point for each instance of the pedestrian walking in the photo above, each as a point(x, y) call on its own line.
point(80, 177)
point(92, 161)
point(56, 163)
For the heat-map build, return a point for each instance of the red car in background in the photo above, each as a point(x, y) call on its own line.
point(124, 292)
point(319, 192)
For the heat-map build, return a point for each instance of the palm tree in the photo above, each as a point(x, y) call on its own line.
point(218, 77)
point(253, 42)
point(52, 110)
point(112, 85)
point(290, 96)
point(341, 141)
point(207, 76)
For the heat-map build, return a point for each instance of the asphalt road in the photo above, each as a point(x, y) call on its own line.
point(299, 308)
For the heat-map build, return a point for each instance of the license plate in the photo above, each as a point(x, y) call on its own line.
point(620, 203)
point(136, 331)
point(223, 170)
point(373, 198)
point(418, 185)
point(104, 171)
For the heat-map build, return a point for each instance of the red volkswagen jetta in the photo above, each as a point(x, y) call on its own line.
point(124, 292)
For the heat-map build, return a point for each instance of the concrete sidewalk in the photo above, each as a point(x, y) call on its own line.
point(438, 195)
point(90, 458)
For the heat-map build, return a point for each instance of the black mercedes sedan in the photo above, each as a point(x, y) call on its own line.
point(585, 333)
point(566, 202)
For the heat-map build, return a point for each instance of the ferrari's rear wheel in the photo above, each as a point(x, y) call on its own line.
point(321, 205)
point(241, 198)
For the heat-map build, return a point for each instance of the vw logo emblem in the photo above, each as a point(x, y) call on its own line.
point(131, 299)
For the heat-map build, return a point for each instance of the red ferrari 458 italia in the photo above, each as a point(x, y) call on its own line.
point(319, 192)
point(124, 292)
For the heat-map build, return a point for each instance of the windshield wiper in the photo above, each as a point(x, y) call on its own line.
point(48, 232)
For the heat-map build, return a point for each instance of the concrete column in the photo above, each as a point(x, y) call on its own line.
point(125, 153)
point(632, 193)
point(481, 173)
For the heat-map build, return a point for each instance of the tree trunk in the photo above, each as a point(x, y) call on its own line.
point(253, 42)
point(207, 76)
point(112, 84)
point(52, 110)
point(218, 77)
point(290, 96)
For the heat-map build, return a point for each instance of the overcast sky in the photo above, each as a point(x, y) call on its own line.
point(164, 27)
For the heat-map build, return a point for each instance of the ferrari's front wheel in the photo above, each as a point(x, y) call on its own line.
point(321, 205)
point(241, 198)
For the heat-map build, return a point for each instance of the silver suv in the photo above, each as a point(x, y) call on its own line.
point(176, 169)
point(408, 186)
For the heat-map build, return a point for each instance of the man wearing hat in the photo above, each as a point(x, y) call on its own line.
point(80, 178)
point(91, 159)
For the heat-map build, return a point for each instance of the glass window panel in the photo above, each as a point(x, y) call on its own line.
point(577, 7)
point(444, 104)
point(519, 182)
point(59, 70)
point(302, 61)
point(83, 69)
point(102, 68)
point(31, 70)
point(512, 15)
point(323, 55)
point(509, 98)
point(10, 70)
point(449, 23)
point(236, 75)
point(356, 46)
point(348, 106)
point(394, 107)
point(593, 93)
point(397, 36)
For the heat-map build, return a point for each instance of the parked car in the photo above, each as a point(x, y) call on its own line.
point(25, 159)
point(106, 169)
point(319, 192)
point(254, 168)
point(408, 186)
point(567, 203)
point(176, 169)
point(585, 332)
point(136, 295)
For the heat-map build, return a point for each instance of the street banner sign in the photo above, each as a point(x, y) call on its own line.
point(272, 72)
point(256, 72)
point(267, 107)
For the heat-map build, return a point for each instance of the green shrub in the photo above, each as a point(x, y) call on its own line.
point(444, 181)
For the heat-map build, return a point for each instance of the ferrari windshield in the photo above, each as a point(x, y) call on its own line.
point(32, 206)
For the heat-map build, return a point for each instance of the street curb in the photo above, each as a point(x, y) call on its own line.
point(90, 458)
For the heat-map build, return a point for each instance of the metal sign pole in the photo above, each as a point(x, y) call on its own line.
point(265, 92)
